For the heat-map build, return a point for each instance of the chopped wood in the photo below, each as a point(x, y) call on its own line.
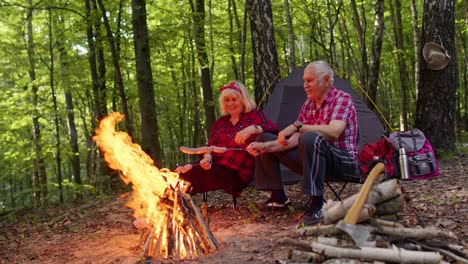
point(391, 206)
point(445, 252)
point(307, 257)
point(397, 255)
point(382, 222)
point(415, 233)
point(318, 230)
point(379, 193)
point(389, 217)
point(331, 241)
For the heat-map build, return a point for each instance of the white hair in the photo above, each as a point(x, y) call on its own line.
point(322, 68)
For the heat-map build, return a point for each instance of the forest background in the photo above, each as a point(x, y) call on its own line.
point(64, 65)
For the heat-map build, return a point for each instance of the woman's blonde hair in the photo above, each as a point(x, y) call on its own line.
point(237, 89)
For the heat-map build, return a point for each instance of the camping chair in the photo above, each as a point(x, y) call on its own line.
point(234, 198)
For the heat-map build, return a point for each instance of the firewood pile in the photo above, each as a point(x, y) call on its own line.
point(181, 233)
point(376, 237)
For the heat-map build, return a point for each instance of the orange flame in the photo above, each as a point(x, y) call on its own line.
point(148, 182)
point(157, 196)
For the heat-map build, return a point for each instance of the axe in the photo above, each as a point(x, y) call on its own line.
point(349, 222)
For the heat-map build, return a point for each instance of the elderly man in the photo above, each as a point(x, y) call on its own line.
point(321, 143)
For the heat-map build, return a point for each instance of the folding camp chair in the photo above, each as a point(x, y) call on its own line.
point(234, 199)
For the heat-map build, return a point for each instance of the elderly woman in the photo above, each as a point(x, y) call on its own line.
point(239, 124)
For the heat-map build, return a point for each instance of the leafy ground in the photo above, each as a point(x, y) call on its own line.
point(102, 231)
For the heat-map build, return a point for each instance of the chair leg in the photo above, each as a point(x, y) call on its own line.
point(205, 197)
point(234, 200)
point(333, 190)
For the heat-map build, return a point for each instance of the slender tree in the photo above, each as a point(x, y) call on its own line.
point(198, 13)
point(374, 67)
point(291, 58)
point(58, 152)
point(243, 40)
point(361, 34)
point(147, 103)
point(402, 68)
point(39, 169)
point(64, 74)
point(117, 69)
point(417, 44)
point(232, 35)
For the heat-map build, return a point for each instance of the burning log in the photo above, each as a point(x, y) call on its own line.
point(182, 233)
point(175, 228)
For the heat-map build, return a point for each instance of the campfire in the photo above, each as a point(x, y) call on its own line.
point(174, 228)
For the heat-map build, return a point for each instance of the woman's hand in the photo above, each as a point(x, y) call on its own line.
point(183, 168)
point(206, 162)
point(244, 134)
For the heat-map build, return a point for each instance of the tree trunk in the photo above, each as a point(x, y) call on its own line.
point(117, 72)
point(374, 68)
point(435, 107)
point(39, 170)
point(265, 58)
point(98, 72)
point(463, 37)
point(417, 45)
point(332, 19)
point(232, 34)
point(74, 155)
point(211, 41)
point(243, 41)
point(147, 103)
point(99, 80)
point(402, 69)
point(361, 33)
point(291, 58)
point(58, 156)
point(198, 11)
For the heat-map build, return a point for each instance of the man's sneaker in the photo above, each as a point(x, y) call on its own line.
point(313, 216)
point(274, 205)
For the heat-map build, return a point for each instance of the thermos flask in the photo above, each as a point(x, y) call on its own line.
point(403, 164)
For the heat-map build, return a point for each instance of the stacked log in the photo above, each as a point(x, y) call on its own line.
point(395, 243)
point(386, 198)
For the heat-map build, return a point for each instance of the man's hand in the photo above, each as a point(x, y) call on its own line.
point(284, 134)
point(257, 148)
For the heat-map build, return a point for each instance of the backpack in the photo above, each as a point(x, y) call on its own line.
point(379, 151)
point(422, 162)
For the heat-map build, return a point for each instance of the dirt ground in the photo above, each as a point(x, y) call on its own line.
point(102, 231)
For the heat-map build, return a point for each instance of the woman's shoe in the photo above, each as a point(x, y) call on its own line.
point(274, 205)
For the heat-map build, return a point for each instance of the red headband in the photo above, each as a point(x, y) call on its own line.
point(231, 85)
